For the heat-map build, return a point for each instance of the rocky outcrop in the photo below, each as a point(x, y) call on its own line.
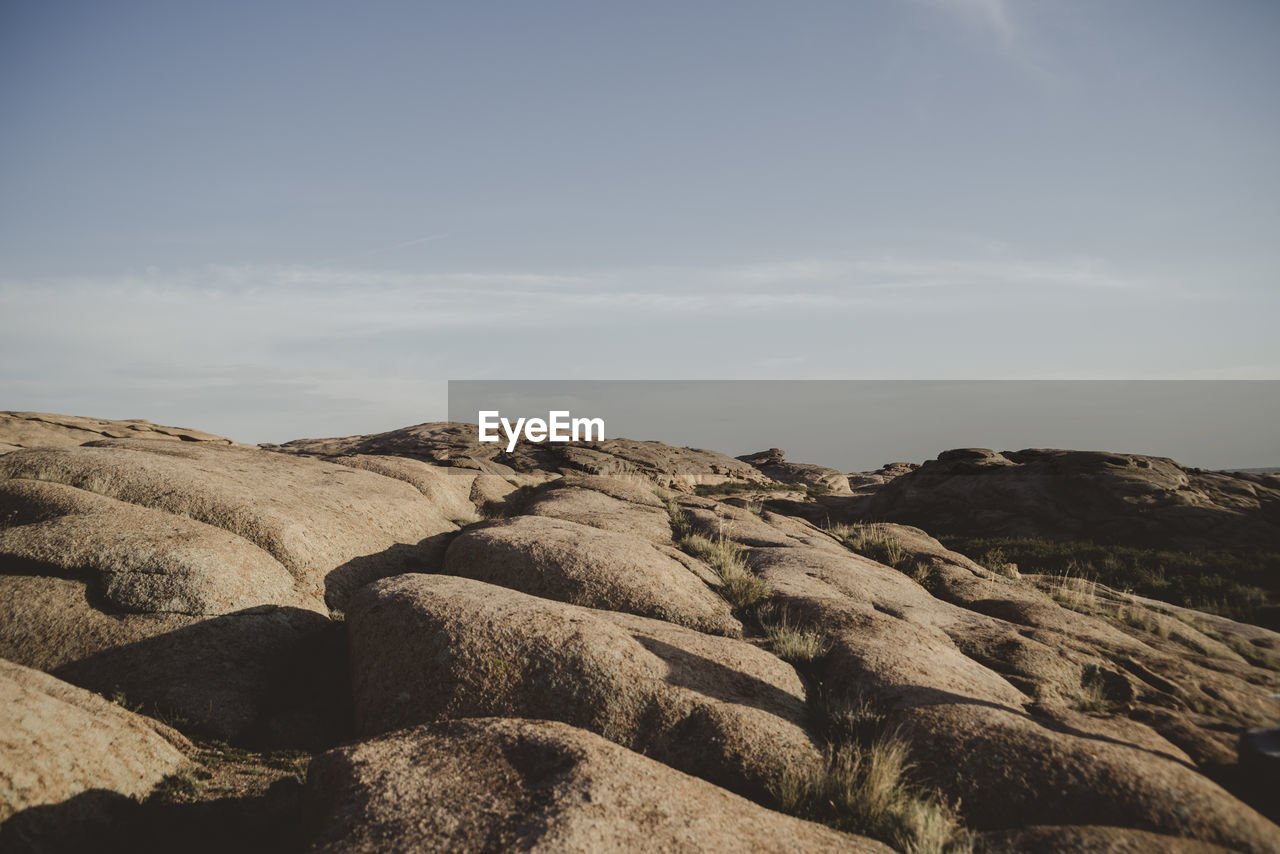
point(1083, 495)
point(493, 784)
point(992, 680)
point(47, 430)
point(773, 465)
point(58, 741)
point(563, 662)
point(428, 648)
point(331, 527)
point(871, 481)
point(198, 578)
point(455, 444)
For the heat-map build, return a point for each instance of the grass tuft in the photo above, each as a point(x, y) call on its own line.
point(740, 587)
point(794, 644)
point(864, 789)
point(869, 540)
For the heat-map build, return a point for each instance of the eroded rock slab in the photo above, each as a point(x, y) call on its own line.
point(332, 527)
point(540, 786)
point(587, 566)
point(426, 648)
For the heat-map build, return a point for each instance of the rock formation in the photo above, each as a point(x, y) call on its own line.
point(567, 651)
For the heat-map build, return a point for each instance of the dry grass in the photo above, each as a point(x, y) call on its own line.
point(865, 790)
point(739, 586)
point(794, 644)
point(995, 560)
point(1144, 620)
point(1075, 592)
point(869, 540)
point(1092, 697)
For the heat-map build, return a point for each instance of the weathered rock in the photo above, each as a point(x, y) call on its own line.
point(47, 430)
point(959, 682)
point(588, 566)
point(1082, 495)
point(448, 489)
point(773, 465)
point(140, 560)
point(457, 444)
point(610, 503)
point(58, 741)
point(271, 675)
point(332, 527)
point(426, 648)
point(519, 785)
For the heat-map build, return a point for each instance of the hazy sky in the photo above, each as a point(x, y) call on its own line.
point(274, 220)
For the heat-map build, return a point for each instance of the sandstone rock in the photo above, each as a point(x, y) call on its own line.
point(588, 566)
point(58, 741)
point(520, 785)
point(332, 527)
point(426, 648)
point(45, 430)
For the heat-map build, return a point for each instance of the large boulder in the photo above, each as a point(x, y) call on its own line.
point(520, 785)
point(58, 742)
point(425, 648)
point(271, 675)
point(588, 566)
point(1094, 839)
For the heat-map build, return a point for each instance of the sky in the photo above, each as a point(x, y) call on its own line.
point(273, 220)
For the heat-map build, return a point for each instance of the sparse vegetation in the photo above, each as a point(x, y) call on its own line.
point(181, 787)
point(739, 586)
point(792, 643)
point(871, 541)
point(1143, 619)
point(1075, 592)
point(863, 786)
point(1238, 584)
point(1092, 697)
point(994, 559)
point(737, 487)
